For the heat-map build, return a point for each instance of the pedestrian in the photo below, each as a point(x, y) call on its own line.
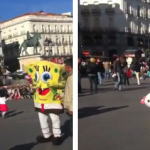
point(79, 76)
point(92, 75)
point(107, 67)
point(3, 99)
point(118, 72)
point(68, 96)
point(137, 68)
point(100, 71)
point(125, 69)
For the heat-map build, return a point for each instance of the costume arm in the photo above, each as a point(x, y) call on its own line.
point(57, 85)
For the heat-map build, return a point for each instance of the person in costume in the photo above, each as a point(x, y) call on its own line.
point(3, 99)
point(49, 80)
point(146, 100)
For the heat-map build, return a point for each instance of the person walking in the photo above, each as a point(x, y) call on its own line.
point(107, 65)
point(137, 68)
point(118, 72)
point(125, 69)
point(92, 74)
point(68, 95)
point(100, 71)
point(79, 76)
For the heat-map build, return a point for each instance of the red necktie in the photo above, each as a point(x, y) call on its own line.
point(42, 108)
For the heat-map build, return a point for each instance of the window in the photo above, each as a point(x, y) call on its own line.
point(57, 39)
point(97, 22)
point(63, 39)
point(57, 50)
point(85, 3)
point(62, 28)
point(86, 22)
point(64, 50)
point(110, 22)
point(49, 28)
point(55, 28)
point(68, 28)
point(43, 29)
point(149, 28)
point(70, 50)
point(69, 39)
point(96, 3)
point(34, 28)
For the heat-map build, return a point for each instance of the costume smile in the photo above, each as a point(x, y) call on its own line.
point(43, 92)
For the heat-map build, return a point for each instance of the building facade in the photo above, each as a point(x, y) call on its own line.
point(113, 26)
point(55, 30)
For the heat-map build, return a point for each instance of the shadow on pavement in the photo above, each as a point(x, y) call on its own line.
point(85, 94)
point(136, 88)
point(66, 130)
point(13, 113)
point(91, 111)
point(28, 146)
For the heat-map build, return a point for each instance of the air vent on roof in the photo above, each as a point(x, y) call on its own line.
point(41, 11)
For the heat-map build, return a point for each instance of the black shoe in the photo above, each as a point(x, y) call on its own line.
point(42, 139)
point(57, 141)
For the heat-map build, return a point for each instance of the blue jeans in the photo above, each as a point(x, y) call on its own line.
point(107, 74)
point(118, 84)
point(99, 78)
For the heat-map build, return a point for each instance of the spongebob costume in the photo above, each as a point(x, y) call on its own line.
point(49, 80)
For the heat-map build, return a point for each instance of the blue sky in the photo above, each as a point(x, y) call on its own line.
point(13, 8)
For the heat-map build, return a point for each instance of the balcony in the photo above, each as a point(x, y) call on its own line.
point(52, 44)
point(58, 43)
point(146, 16)
point(51, 31)
point(96, 12)
point(110, 11)
point(65, 43)
point(85, 12)
point(70, 43)
point(97, 29)
point(9, 36)
point(111, 30)
point(69, 31)
point(86, 29)
point(63, 31)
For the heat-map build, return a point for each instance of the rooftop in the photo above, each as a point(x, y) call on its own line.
point(39, 13)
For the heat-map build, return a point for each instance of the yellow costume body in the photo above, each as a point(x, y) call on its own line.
point(49, 80)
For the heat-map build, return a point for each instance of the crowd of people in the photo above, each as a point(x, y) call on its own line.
point(119, 70)
point(17, 92)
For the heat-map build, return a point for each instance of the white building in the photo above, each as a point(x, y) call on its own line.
point(129, 19)
point(57, 28)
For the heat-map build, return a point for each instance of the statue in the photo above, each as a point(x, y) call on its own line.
point(30, 42)
point(28, 36)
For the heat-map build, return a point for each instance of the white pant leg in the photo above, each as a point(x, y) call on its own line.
point(44, 125)
point(137, 77)
point(3, 113)
point(55, 125)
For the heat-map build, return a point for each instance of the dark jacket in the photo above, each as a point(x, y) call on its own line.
point(100, 67)
point(92, 68)
point(137, 66)
point(4, 93)
point(125, 67)
point(117, 67)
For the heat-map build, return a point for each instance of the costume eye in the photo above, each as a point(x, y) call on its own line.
point(148, 101)
point(64, 74)
point(46, 76)
point(36, 79)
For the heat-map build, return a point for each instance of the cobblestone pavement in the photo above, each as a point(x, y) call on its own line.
point(114, 120)
point(18, 132)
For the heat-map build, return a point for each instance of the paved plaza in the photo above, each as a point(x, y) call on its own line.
point(114, 120)
point(18, 132)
